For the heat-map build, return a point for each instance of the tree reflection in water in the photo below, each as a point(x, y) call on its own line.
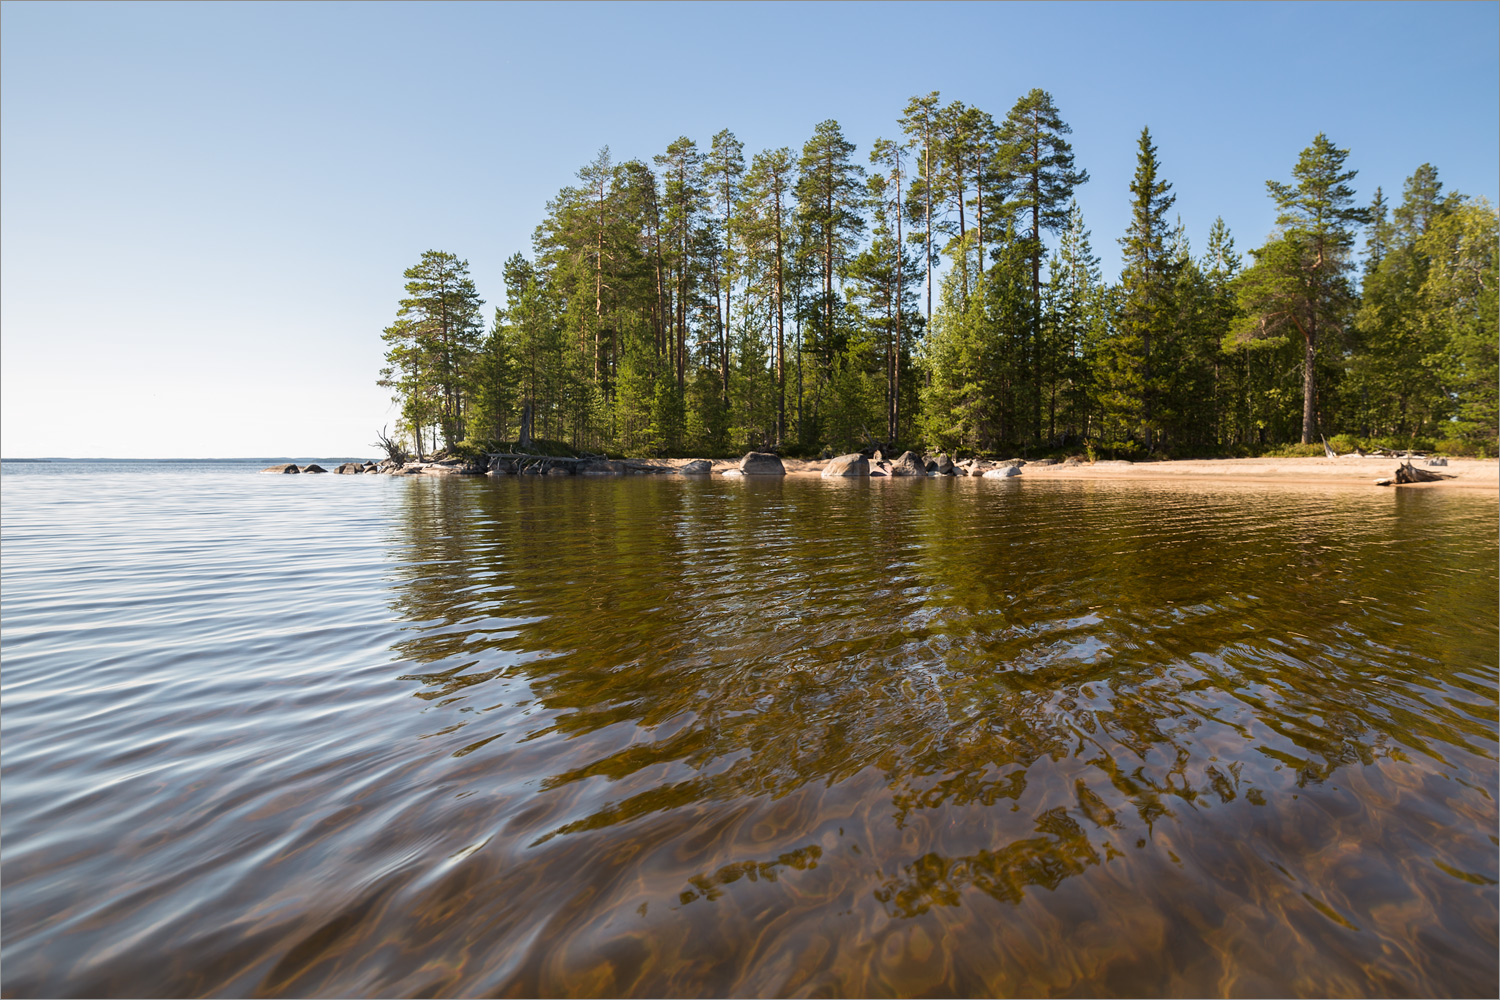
point(1209, 716)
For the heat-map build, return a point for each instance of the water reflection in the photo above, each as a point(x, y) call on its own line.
point(972, 690)
point(549, 736)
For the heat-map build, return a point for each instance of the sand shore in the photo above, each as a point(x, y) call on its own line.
point(1468, 473)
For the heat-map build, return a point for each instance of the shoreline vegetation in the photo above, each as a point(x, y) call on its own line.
point(941, 294)
point(1343, 470)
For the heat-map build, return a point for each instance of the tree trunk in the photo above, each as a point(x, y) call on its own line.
point(780, 332)
point(523, 443)
point(1036, 274)
point(1309, 392)
point(900, 289)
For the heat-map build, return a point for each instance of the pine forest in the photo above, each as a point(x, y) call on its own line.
point(941, 291)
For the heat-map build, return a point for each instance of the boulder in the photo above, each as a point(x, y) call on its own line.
point(944, 464)
point(876, 456)
point(502, 467)
point(697, 467)
point(847, 466)
point(1004, 472)
point(1045, 461)
point(370, 467)
point(761, 463)
point(350, 469)
point(601, 467)
point(313, 468)
point(287, 469)
point(731, 472)
point(908, 465)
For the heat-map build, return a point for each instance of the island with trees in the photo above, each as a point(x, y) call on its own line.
point(942, 294)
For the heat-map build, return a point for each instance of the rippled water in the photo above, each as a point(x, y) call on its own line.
point(318, 735)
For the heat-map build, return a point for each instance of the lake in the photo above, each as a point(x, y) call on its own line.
point(365, 735)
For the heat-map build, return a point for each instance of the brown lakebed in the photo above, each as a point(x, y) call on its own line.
point(665, 736)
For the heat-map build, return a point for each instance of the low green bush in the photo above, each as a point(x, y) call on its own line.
point(1295, 451)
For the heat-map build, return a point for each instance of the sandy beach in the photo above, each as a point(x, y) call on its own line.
point(1467, 473)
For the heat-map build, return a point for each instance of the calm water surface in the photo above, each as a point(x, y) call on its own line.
point(319, 735)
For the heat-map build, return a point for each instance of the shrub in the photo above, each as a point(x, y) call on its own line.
point(1460, 448)
point(1295, 451)
point(1344, 443)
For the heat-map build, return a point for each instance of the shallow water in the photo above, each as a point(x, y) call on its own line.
point(327, 735)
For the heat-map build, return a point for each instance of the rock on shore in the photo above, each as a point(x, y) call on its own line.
point(287, 469)
point(761, 463)
point(847, 466)
point(908, 464)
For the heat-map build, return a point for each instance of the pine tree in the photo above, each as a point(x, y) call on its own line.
point(920, 122)
point(767, 204)
point(1040, 162)
point(1300, 278)
point(433, 344)
point(722, 170)
point(830, 195)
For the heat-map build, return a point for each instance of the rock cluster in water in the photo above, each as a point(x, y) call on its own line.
point(909, 463)
point(755, 463)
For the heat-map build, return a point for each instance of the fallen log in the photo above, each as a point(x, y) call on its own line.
point(1408, 473)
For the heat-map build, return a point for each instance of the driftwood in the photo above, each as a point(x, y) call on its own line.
point(1408, 473)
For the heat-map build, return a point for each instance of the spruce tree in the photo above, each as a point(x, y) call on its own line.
point(1129, 379)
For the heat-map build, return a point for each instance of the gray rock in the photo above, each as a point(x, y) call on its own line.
point(1437, 461)
point(502, 467)
point(350, 469)
point(1004, 472)
point(287, 469)
point(1045, 461)
point(846, 466)
point(697, 467)
point(931, 466)
point(944, 464)
point(601, 467)
point(731, 472)
point(313, 468)
point(908, 465)
point(761, 463)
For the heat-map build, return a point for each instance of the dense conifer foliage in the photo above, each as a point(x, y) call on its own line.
point(943, 292)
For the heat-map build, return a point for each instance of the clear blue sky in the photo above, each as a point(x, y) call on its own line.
point(205, 210)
